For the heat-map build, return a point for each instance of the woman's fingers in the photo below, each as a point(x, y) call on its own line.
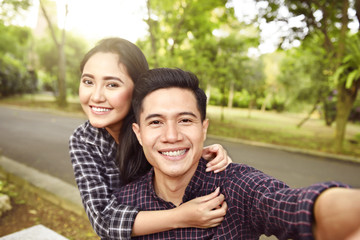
point(210, 196)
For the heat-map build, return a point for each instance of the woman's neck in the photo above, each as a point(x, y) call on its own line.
point(114, 133)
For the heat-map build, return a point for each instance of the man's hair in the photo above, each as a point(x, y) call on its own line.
point(130, 155)
point(161, 78)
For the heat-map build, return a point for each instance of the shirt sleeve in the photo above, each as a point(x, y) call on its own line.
point(276, 209)
point(109, 219)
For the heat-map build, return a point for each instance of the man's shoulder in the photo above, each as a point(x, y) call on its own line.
point(130, 192)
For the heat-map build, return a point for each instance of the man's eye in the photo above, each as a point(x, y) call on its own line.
point(155, 122)
point(185, 120)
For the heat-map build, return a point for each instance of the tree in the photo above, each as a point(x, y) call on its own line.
point(15, 76)
point(60, 44)
point(175, 25)
point(328, 19)
point(9, 9)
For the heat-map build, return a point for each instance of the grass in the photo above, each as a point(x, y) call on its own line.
point(30, 209)
point(267, 127)
point(281, 129)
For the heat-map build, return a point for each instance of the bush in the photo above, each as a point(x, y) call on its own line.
point(15, 78)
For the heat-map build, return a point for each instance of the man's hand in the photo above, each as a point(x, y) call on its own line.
point(337, 214)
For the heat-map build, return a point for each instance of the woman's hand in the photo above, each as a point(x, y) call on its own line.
point(217, 157)
point(202, 212)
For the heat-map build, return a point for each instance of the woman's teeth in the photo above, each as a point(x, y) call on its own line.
point(96, 109)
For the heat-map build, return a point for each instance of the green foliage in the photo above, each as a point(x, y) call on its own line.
point(242, 99)
point(10, 8)
point(15, 78)
point(349, 71)
point(302, 74)
point(47, 52)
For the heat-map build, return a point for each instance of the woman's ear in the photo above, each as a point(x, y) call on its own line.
point(136, 129)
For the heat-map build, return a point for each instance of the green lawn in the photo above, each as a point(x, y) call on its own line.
point(281, 129)
point(267, 127)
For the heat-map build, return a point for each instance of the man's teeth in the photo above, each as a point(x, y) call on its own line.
point(174, 153)
point(96, 109)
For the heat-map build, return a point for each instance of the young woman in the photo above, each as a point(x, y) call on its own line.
point(108, 74)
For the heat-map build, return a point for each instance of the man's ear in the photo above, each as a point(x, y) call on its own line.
point(136, 129)
point(205, 127)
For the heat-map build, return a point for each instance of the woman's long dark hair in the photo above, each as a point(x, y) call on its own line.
point(130, 155)
point(130, 158)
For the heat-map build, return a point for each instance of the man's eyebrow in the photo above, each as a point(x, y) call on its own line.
point(154, 115)
point(188, 113)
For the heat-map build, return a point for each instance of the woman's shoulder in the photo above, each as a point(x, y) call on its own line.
point(85, 131)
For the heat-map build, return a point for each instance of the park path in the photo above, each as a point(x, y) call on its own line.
point(39, 139)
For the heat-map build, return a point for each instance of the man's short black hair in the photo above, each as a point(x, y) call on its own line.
point(160, 78)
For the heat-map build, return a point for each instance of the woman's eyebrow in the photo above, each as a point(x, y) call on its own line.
point(87, 75)
point(106, 78)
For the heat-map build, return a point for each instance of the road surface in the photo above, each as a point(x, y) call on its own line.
point(39, 139)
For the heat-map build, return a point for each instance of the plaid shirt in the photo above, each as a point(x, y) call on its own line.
point(257, 204)
point(92, 153)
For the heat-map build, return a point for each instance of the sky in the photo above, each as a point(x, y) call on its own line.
point(124, 18)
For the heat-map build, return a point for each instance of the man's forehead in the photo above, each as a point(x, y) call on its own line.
point(170, 99)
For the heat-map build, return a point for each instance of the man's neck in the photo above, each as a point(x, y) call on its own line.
point(172, 189)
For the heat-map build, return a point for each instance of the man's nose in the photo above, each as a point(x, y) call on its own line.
point(172, 133)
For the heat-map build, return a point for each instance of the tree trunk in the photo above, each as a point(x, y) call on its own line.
point(309, 114)
point(151, 25)
point(266, 102)
point(251, 106)
point(208, 93)
point(344, 103)
point(231, 94)
point(62, 60)
point(346, 98)
point(62, 76)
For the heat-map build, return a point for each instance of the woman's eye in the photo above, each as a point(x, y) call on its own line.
point(113, 85)
point(87, 82)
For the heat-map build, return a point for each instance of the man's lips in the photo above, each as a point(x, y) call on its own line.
point(174, 153)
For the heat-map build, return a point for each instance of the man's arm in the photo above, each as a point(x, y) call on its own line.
point(337, 214)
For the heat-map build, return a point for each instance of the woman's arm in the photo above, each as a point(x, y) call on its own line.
point(217, 157)
point(96, 175)
point(203, 212)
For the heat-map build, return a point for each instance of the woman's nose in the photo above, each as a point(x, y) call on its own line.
point(98, 95)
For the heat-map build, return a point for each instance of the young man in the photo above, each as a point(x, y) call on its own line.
point(171, 126)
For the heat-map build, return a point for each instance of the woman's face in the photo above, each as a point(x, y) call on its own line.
point(105, 92)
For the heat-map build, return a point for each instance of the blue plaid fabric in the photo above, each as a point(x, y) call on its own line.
point(257, 204)
point(92, 153)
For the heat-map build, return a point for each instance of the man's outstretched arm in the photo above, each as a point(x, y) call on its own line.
point(337, 214)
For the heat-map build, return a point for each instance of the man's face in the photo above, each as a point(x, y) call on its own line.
point(171, 132)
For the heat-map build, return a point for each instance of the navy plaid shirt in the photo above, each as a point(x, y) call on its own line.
point(257, 204)
point(92, 152)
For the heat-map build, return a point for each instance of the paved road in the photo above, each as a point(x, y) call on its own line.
point(40, 140)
